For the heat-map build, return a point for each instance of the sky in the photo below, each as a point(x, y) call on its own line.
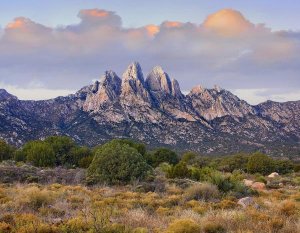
point(55, 47)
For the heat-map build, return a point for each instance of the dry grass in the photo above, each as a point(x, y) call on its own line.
point(57, 208)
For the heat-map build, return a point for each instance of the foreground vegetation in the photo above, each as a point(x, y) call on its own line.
point(122, 187)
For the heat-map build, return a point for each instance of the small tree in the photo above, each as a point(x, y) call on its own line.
point(180, 170)
point(19, 156)
point(234, 162)
point(75, 155)
point(61, 146)
point(260, 163)
point(6, 151)
point(115, 163)
point(283, 166)
point(140, 147)
point(188, 156)
point(39, 153)
point(162, 155)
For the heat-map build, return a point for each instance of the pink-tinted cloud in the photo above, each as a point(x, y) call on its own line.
point(226, 49)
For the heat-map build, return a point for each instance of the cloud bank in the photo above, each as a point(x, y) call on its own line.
point(226, 49)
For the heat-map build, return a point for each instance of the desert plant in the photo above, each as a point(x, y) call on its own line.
point(116, 162)
point(162, 155)
point(201, 191)
point(214, 228)
point(260, 163)
point(61, 146)
point(183, 226)
point(6, 151)
point(39, 153)
point(36, 198)
point(180, 170)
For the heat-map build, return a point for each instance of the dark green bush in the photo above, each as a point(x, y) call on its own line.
point(260, 163)
point(180, 170)
point(234, 162)
point(6, 151)
point(39, 153)
point(162, 155)
point(283, 166)
point(116, 163)
point(188, 157)
point(75, 155)
point(19, 156)
point(85, 162)
point(62, 146)
point(140, 147)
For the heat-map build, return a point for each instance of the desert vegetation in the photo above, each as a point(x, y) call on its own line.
point(55, 185)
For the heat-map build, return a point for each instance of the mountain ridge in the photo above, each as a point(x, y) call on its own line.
point(154, 110)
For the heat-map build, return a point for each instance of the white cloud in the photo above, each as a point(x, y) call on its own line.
point(226, 49)
point(35, 93)
point(256, 96)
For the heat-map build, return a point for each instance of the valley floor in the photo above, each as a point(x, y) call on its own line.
point(170, 206)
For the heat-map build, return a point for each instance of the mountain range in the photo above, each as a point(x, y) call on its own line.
point(155, 111)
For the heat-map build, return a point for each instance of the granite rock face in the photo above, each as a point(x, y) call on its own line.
point(154, 110)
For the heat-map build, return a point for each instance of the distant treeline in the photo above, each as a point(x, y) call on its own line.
point(122, 160)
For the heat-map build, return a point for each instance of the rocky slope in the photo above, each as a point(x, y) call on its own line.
point(154, 110)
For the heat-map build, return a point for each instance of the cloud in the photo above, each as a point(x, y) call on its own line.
point(40, 93)
point(226, 49)
point(228, 22)
point(256, 96)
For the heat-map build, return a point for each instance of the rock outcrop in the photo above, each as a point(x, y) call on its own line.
point(211, 121)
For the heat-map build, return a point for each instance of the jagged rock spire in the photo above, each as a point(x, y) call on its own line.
point(134, 72)
point(159, 81)
point(176, 88)
point(103, 92)
point(133, 84)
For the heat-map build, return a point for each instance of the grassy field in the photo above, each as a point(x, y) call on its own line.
point(173, 205)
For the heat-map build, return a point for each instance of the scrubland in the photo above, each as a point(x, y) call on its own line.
point(122, 187)
point(169, 205)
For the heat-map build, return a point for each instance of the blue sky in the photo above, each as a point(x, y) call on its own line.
point(275, 14)
point(54, 47)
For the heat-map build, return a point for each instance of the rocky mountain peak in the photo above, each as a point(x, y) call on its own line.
point(217, 88)
point(111, 81)
point(176, 88)
point(4, 95)
point(133, 86)
point(156, 112)
point(104, 92)
point(159, 81)
point(197, 90)
point(134, 72)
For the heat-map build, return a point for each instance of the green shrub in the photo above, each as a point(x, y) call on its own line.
point(222, 181)
point(75, 155)
point(61, 146)
point(140, 147)
point(162, 155)
point(260, 163)
point(39, 153)
point(85, 162)
point(116, 162)
point(19, 156)
point(188, 157)
point(234, 162)
point(260, 178)
point(180, 170)
point(283, 166)
point(6, 151)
